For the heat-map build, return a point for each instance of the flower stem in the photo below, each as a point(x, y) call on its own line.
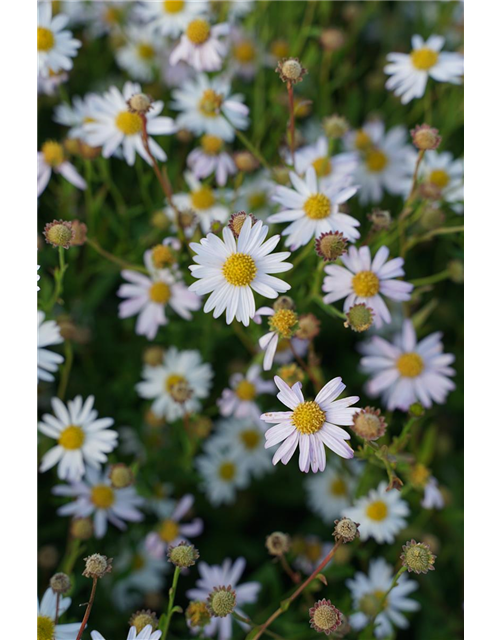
point(253, 150)
point(109, 256)
point(291, 123)
point(171, 597)
point(89, 608)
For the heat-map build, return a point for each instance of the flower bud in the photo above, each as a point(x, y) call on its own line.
point(79, 233)
point(198, 614)
point(331, 245)
point(222, 601)
point(308, 327)
point(369, 424)
point(162, 256)
point(59, 233)
point(425, 137)
point(417, 557)
point(153, 356)
point(60, 583)
point(324, 617)
point(291, 373)
point(82, 528)
point(332, 39)
point(359, 317)
point(183, 555)
point(141, 619)
point(335, 126)
point(380, 219)
point(237, 220)
point(121, 476)
point(245, 161)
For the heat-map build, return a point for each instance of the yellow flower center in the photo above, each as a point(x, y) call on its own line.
point(257, 200)
point(138, 562)
point(159, 292)
point(128, 123)
point(283, 321)
point(102, 496)
point(322, 166)
point(244, 51)
point(250, 438)
point(72, 437)
point(227, 471)
point(198, 31)
point(377, 511)
point(45, 39)
point(410, 365)
point(317, 206)
point(45, 628)
point(338, 487)
point(173, 6)
point(308, 417)
point(246, 390)
point(370, 603)
point(53, 153)
point(424, 59)
point(112, 15)
point(376, 160)
point(420, 475)
point(362, 140)
point(280, 49)
point(145, 51)
point(239, 269)
point(211, 144)
point(313, 551)
point(172, 381)
point(440, 178)
point(365, 284)
point(203, 198)
point(210, 103)
point(169, 530)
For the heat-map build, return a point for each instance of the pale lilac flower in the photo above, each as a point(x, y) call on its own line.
point(52, 158)
point(239, 400)
point(171, 531)
point(47, 361)
point(210, 158)
point(200, 45)
point(433, 498)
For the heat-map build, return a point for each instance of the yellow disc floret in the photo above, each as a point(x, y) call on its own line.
point(72, 437)
point(322, 166)
point(102, 496)
point(239, 269)
point(211, 145)
point(198, 31)
point(377, 511)
point(210, 103)
point(283, 321)
point(245, 390)
point(317, 206)
point(53, 153)
point(227, 471)
point(159, 292)
point(308, 417)
point(338, 487)
point(169, 530)
point(244, 51)
point(203, 198)
point(145, 51)
point(172, 381)
point(362, 140)
point(250, 438)
point(440, 178)
point(365, 284)
point(423, 59)
point(376, 160)
point(45, 628)
point(45, 39)
point(128, 123)
point(173, 6)
point(410, 365)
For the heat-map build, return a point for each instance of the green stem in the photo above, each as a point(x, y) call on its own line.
point(437, 277)
point(109, 256)
point(431, 234)
point(253, 150)
point(171, 598)
point(329, 309)
point(68, 362)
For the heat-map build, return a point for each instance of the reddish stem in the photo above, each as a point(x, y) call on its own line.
point(292, 121)
point(89, 607)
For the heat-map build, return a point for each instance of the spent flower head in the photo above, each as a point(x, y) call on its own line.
point(121, 475)
point(324, 617)
point(278, 543)
point(359, 317)
point(183, 555)
point(331, 245)
point(425, 137)
point(291, 70)
point(60, 583)
point(222, 601)
point(369, 424)
point(59, 233)
point(140, 103)
point(418, 557)
point(97, 566)
point(346, 530)
point(335, 126)
point(308, 327)
point(198, 614)
point(237, 220)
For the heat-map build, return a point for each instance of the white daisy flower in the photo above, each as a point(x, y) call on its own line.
point(175, 75)
point(75, 115)
point(408, 371)
point(223, 473)
point(228, 573)
point(385, 160)
point(246, 437)
point(210, 158)
point(380, 514)
point(113, 126)
point(244, 55)
point(108, 17)
point(410, 72)
point(48, 609)
point(171, 531)
point(310, 424)
point(48, 86)
point(255, 195)
point(171, 17)
point(433, 498)
point(47, 361)
point(441, 172)
point(178, 385)
point(139, 54)
point(95, 495)
point(366, 280)
point(52, 158)
point(149, 296)
point(313, 210)
point(239, 400)
point(239, 8)
point(367, 592)
point(146, 634)
point(329, 493)
point(208, 107)
point(56, 46)
point(233, 269)
point(338, 168)
point(200, 46)
point(83, 440)
point(202, 200)
point(281, 323)
point(144, 574)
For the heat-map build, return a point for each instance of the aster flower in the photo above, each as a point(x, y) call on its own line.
point(407, 371)
point(170, 18)
point(207, 106)
point(443, 176)
point(56, 46)
point(223, 472)
point(177, 385)
point(310, 425)
point(433, 498)
point(364, 280)
point(233, 269)
point(410, 72)
point(244, 54)
point(139, 54)
point(283, 323)
point(75, 115)
point(170, 530)
point(145, 634)
point(112, 126)
point(210, 158)
point(83, 440)
point(246, 438)
point(311, 551)
point(367, 592)
point(330, 492)
point(337, 168)
point(48, 609)
point(149, 296)
point(95, 495)
point(47, 361)
point(50, 158)
point(200, 45)
point(239, 399)
point(313, 209)
point(385, 160)
point(214, 576)
point(380, 514)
